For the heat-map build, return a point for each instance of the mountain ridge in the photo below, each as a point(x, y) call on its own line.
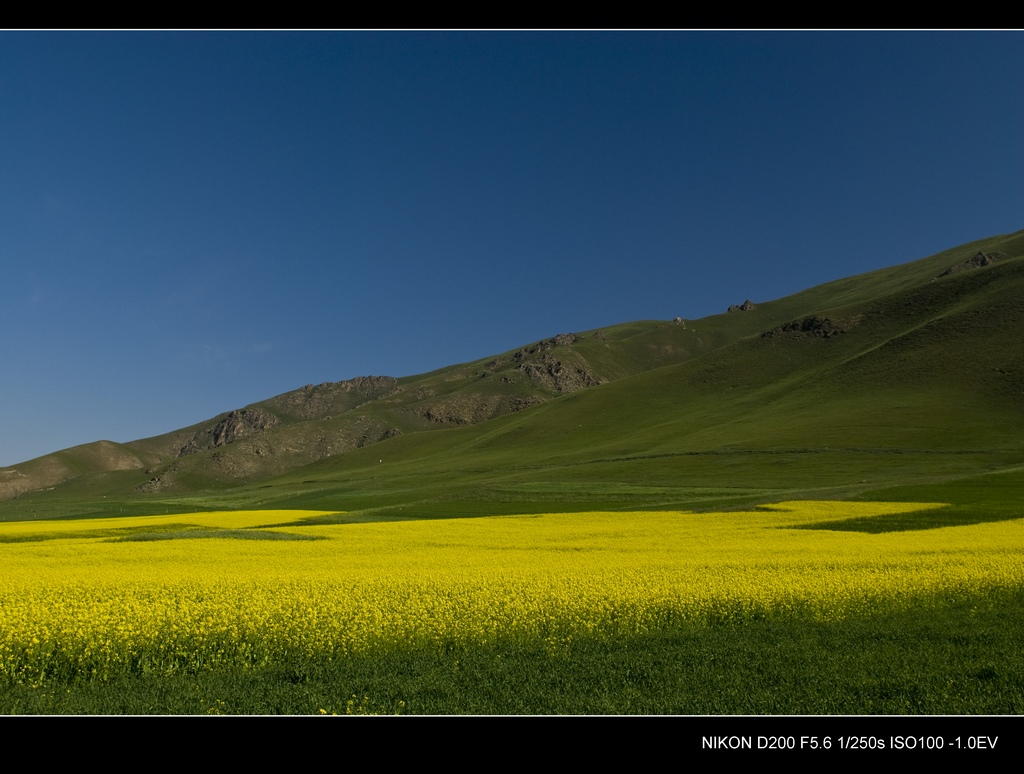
point(920, 329)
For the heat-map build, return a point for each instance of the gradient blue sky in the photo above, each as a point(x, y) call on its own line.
point(191, 222)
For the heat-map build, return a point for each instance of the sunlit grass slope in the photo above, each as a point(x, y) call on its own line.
point(152, 602)
point(926, 380)
point(882, 379)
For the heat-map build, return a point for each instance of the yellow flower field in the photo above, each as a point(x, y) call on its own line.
point(92, 599)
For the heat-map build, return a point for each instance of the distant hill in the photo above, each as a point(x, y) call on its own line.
point(910, 373)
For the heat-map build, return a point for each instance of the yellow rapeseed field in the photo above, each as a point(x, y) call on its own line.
point(92, 599)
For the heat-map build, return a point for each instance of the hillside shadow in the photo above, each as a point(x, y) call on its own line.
point(912, 522)
point(162, 532)
point(207, 533)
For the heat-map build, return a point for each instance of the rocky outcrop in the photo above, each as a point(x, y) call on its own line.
point(331, 398)
point(561, 340)
point(14, 483)
point(165, 480)
point(470, 409)
point(976, 262)
point(746, 306)
point(155, 484)
point(539, 349)
point(821, 327)
point(368, 438)
point(549, 371)
point(254, 452)
point(237, 424)
point(553, 375)
point(240, 423)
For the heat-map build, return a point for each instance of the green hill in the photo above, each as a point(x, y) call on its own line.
point(900, 377)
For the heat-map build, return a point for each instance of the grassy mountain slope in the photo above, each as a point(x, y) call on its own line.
point(896, 376)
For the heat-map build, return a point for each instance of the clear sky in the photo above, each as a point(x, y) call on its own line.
point(191, 222)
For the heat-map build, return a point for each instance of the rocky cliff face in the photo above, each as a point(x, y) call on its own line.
point(237, 424)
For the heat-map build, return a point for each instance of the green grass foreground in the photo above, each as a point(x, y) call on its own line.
point(937, 657)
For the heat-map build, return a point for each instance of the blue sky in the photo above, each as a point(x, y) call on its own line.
point(191, 222)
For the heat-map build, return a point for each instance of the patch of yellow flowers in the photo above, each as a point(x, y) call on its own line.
point(76, 605)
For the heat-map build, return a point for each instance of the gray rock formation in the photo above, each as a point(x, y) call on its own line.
point(746, 306)
point(237, 424)
point(975, 262)
point(821, 327)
